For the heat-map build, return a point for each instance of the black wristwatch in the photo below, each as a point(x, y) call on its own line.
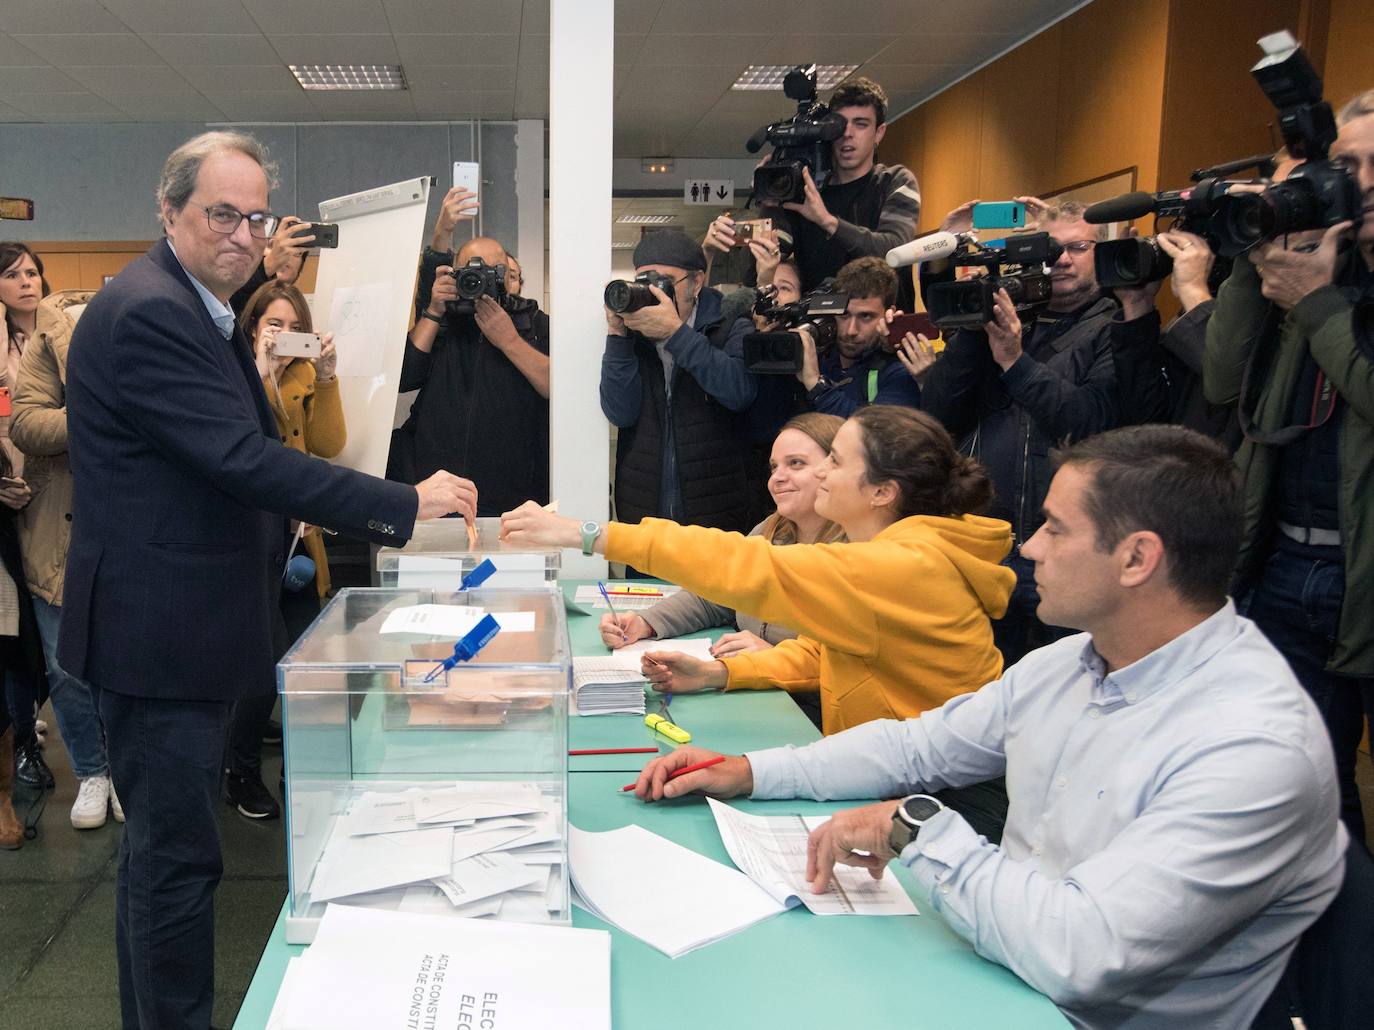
point(911, 813)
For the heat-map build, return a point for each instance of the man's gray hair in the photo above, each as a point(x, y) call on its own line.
point(1071, 211)
point(1357, 106)
point(182, 167)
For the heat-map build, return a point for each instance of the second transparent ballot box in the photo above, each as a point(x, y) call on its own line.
point(411, 787)
point(441, 552)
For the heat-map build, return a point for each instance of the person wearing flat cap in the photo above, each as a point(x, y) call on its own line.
point(673, 382)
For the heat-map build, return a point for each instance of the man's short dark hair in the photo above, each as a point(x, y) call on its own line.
point(1171, 481)
point(861, 92)
point(868, 277)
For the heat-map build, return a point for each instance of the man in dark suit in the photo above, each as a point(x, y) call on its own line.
point(178, 540)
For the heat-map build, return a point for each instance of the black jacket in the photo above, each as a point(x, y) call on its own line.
point(181, 493)
point(702, 434)
point(477, 415)
point(1062, 388)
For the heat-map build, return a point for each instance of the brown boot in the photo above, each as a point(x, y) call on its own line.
point(11, 830)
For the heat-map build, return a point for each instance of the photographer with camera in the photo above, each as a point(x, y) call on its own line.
point(1013, 388)
point(480, 359)
point(673, 382)
point(1291, 341)
point(859, 369)
point(861, 208)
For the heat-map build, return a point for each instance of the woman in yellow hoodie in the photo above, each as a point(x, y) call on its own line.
point(892, 623)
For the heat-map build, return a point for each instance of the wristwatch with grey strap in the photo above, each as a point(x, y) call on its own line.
point(590, 531)
point(911, 813)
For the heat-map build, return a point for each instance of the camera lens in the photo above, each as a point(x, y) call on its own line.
point(1242, 221)
point(622, 297)
point(470, 284)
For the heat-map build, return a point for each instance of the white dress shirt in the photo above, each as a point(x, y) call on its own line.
point(1173, 825)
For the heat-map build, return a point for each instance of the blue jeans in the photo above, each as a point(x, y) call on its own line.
point(77, 720)
point(1297, 605)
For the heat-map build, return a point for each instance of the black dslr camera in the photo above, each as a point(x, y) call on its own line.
point(476, 279)
point(1317, 194)
point(802, 141)
point(623, 297)
point(780, 352)
point(971, 302)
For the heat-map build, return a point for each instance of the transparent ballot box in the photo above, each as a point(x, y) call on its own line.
point(447, 796)
point(440, 554)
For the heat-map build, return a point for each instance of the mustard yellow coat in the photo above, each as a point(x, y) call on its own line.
point(310, 418)
point(889, 627)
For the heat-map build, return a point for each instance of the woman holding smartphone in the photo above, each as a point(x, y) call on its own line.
point(892, 623)
point(304, 396)
point(22, 288)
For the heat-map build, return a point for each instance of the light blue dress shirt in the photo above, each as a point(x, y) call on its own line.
point(220, 313)
point(1173, 825)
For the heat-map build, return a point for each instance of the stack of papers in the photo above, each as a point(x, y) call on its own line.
point(771, 849)
point(375, 970)
point(613, 684)
point(467, 848)
point(625, 597)
point(690, 901)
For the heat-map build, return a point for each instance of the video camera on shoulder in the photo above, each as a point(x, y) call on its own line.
point(1316, 195)
point(971, 302)
point(800, 142)
point(622, 297)
point(477, 279)
point(779, 352)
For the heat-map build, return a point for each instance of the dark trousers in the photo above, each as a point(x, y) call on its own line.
point(165, 763)
point(243, 750)
point(1020, 631)
point(1297, 605)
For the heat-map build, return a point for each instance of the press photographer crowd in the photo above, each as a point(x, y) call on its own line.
point(1091, 594)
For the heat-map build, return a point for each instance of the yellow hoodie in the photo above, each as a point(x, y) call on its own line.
point(889, 627)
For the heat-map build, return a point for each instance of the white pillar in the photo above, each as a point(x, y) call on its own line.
point(581, 98)
point(529, 200)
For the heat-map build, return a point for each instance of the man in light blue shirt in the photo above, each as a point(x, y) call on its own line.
point(1173, 806)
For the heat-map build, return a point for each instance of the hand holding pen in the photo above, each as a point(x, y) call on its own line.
point(689, 770)
point(625, 638)
point(624, 628)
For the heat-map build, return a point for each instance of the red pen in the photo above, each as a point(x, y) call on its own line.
point(685, 770)
point(617, 751)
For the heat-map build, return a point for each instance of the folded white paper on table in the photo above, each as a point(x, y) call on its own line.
point(376, 812)
point(477, 841)
point(482, 876)
point(668, 896)
point(477, 801)
point(450, 620)
point(357, 865)
point(370, 970)
point(771, 850)
point(697, 647)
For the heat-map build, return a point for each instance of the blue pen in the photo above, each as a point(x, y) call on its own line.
point(473, 641)
point(479, 575)
point(623, 635)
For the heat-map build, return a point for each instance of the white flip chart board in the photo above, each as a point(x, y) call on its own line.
point(364, 292)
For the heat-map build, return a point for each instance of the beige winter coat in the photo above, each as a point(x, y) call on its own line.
point(38, 427)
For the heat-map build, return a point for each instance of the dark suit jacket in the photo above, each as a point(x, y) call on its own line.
point(181, 488)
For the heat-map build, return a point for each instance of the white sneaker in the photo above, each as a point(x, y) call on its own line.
point(92, 802)
point(115, 806)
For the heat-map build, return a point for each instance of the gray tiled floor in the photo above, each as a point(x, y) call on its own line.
point(57, 966)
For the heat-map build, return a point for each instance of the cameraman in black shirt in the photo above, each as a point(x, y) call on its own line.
point(865, 209)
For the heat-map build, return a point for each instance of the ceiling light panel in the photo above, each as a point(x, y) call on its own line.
point(347, 77)
point(644, 219)
point(770, 76)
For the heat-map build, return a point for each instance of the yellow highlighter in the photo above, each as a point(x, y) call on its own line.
point(670, 730)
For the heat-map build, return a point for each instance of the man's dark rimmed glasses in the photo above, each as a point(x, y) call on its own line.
point(225, 219)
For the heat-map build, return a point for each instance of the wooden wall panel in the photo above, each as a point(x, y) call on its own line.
point(1214, 111)
point(1020, 120)
point(1349, 50)
point(1110, 77)
point(952, 153)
